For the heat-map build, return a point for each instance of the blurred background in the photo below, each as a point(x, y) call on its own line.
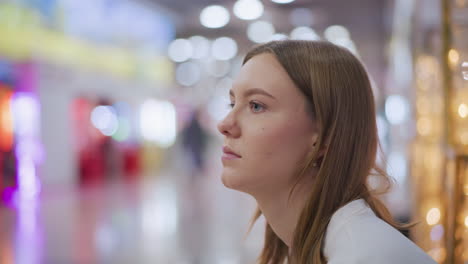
point(109, 151)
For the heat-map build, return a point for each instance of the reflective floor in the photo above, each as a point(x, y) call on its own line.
point(164, 218)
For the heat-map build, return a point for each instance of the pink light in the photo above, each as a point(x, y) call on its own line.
point(25, 115)
point(25, 108)
point(28, 183)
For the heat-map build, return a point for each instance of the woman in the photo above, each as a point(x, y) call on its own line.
point(301, 138)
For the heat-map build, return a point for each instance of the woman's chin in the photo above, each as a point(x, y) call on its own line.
point(227, 181)
point(231, 181)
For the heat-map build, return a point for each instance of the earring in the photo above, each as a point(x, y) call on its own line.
point(315, 164)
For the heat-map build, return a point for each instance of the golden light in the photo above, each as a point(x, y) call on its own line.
point(433, 216)
point(464, 138)
point(438, 254)
point(440, 147)
point(463, 110)
point(423, 126)
point(453, 56)
point(423, 106)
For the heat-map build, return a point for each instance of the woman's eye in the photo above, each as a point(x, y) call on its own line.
point(231, 105)
point(256, 107)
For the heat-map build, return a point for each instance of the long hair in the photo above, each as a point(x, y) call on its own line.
point(341, 102)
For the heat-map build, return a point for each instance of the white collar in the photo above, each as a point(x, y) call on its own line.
point(344, 214)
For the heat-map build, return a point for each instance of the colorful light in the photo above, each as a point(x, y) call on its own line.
point(123, 131)
point(6, 122)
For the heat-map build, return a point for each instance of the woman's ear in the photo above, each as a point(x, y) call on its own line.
point(314, 139)
point(322, 151)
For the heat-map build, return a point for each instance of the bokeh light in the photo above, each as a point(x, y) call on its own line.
point(304, 33)
point(396, 109)
point(453, 56)
point(282, 1)
point(463, 110)
point(105, 120)
point(437, 233)
point(397, 167)
point(465, 70)
point(248, 9)
point(335, 32)
point(214, 16)
point(188, 73)
point(279, 36)
point(224, 48)
point(158, 122)
point(260, 31)
point(201, 47)
point(180, 50)
point(433, 216)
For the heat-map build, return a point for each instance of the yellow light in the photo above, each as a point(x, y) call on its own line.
point(464, 138)
point(466, 222)
point(463, 110)
point(453, 56)
point(433, 216)
point(438, 254)
point(423, 126)
point(423, 106)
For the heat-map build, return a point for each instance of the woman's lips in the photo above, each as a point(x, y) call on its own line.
point(228, 154)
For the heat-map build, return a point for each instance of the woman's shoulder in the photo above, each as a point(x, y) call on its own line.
point(356, 235)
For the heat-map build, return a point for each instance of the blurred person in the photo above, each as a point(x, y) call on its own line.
point(195, 141)
point(301, 138)
point(195, 203)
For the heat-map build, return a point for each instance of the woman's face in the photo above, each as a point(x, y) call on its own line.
point(268, 129)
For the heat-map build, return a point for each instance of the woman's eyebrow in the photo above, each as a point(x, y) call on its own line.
point(253, 91)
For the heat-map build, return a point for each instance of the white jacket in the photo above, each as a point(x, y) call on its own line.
point(355, 235)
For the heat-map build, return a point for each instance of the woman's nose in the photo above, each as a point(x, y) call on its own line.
point(228, 126)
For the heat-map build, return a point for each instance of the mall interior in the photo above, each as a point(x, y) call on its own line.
point(109, 148)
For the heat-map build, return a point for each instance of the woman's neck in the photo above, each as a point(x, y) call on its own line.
point(282, 211)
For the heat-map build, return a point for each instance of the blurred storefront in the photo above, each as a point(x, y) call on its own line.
point(85, 83)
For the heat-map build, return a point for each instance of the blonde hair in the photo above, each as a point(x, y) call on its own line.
point(341, 101)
